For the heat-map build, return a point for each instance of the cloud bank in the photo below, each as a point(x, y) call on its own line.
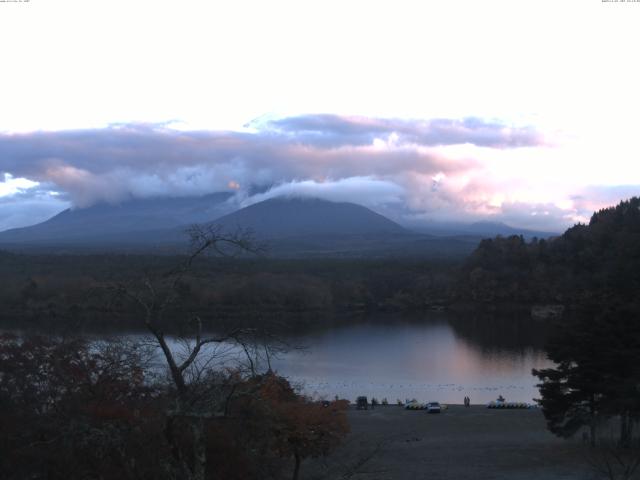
point(335, 130)
point(431, 169)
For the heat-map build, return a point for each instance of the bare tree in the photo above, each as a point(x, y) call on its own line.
point(190, 373)
point(615, 461)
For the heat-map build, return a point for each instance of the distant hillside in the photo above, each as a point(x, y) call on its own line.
point(483, 229)
point(500, 228)
point(291, 228)
point(596, 262)
point(288, 217)
point(134, 221)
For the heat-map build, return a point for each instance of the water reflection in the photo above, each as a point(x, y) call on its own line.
point(438, 360)
point(441, 357)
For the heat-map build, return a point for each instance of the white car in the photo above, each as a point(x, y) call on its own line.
point(433, 407)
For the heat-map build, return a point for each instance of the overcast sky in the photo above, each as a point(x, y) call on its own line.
point(519, 111)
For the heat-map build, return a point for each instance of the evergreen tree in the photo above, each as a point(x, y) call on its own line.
point(597, 373)
point(600, 261)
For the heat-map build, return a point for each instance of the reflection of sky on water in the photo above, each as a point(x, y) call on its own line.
point(425, 361)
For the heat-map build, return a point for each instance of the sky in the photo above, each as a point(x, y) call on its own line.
point(518, 111)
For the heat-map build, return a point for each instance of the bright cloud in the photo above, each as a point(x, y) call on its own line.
point(364, 190)
point(12, 186)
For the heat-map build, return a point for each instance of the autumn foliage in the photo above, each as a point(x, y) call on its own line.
point(282, 427)
point(70, 409)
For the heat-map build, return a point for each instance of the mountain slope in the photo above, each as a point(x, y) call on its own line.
point(483, 229)
point(290, 228)
point(133, 221)
point(314, 228)
point(487, 228)
point(292, 217)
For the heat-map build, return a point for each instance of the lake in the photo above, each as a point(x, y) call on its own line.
point(437, 357)
point(432, 360)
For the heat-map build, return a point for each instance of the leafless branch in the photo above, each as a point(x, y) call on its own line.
point(614, 461)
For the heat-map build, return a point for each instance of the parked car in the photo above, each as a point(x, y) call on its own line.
point(361, 403)
point(433, 407)
point(415, 405)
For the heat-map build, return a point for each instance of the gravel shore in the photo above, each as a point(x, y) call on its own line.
point(460, 443)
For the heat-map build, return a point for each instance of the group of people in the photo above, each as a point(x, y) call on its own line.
point(467, 400)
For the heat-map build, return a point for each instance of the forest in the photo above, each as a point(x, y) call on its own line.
point(598, 261)
point(62, 290)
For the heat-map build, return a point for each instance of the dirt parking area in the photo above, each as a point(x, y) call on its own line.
point(459, 443)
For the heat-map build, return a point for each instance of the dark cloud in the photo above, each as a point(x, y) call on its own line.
point(335, 130)
point(394, 166)
point(146, 160)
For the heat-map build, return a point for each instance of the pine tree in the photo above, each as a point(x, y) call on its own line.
point(597, 374)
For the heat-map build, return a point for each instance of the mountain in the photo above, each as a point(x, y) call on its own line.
point(309, 227)
point(498, 228)
point(290, 227)
point(483, 229)
point(295, 217)
point(133, 221)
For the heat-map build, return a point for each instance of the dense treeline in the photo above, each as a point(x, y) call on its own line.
point(598, 261)
point(55, 289)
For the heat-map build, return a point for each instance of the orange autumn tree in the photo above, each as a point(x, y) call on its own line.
point(296, 427)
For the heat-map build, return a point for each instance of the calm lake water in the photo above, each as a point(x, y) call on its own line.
point(429, 361)
point(437, 357)
point(434, 358)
